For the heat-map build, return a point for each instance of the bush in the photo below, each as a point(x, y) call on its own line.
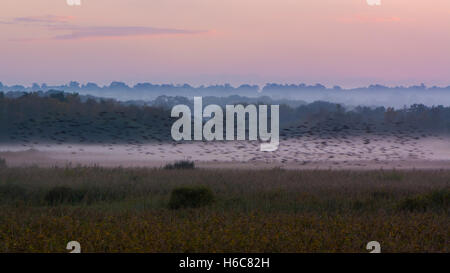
point(64, 195)
point(190, 197)
point(12, 192)
point(2, 163)
point(413, 204)
point(181, 165)
point(437, 200)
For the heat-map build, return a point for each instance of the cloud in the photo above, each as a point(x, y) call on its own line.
point(40, 21)
point(43, 19)
point(74, 32)
point(93, 32)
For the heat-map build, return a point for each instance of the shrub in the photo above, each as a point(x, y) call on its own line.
point(12, 192)
point(191, 197)
point(180, 165)
point(440, 199)
point(417, 203)
point(437, 200)
point(2, 163)
point(64, 195)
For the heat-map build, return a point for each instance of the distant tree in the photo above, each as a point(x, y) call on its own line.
point(144, 85)
point(319, 86)
point(418, 87)
point(118, 85)
point(35, 87)
point(249, 87)
point(390, 115)
point(377, 86)
point(18, 87)
point(91, 85)
point(58, 95)
point(74, 85)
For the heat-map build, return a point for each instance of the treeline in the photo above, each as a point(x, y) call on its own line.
point(371, 119)
point(144, 90)
point(183, 89)
point(62, 117)
point(142, 93)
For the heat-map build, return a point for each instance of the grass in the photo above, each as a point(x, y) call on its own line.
point(128, 210)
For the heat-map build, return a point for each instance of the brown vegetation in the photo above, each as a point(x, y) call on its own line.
point(126, 210)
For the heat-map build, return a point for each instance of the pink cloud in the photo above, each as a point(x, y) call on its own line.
point(98, 32)
point(76, 32)
point(43, 19)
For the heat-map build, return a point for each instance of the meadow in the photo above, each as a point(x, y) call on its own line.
point(127, 210)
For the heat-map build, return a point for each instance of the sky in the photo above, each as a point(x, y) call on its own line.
point(334, 42)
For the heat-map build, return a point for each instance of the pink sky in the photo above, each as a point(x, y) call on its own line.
point(344, 42)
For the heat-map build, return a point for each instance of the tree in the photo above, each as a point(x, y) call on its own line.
point(118, 85)
point(35, 87)
point(74, 85)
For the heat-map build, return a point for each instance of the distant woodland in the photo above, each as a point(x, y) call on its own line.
point(69, 117)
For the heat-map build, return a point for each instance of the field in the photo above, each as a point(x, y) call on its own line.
point(273, 210)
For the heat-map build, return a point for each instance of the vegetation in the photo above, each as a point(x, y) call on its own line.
point(62, 195)
point(2, 163)
point(191, 197)
point(127, 210)
point(435, 200)
point(62, 117)
point(67, 118)
point(181, 165)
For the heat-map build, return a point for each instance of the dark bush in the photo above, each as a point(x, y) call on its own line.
point(190, 197)
point(64, 195)
point(12, 192)
point(436, 200)
point(417, 203)
point(181, 165)
point(2, 163)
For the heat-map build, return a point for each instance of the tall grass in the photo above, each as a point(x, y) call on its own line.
point(253, 211)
